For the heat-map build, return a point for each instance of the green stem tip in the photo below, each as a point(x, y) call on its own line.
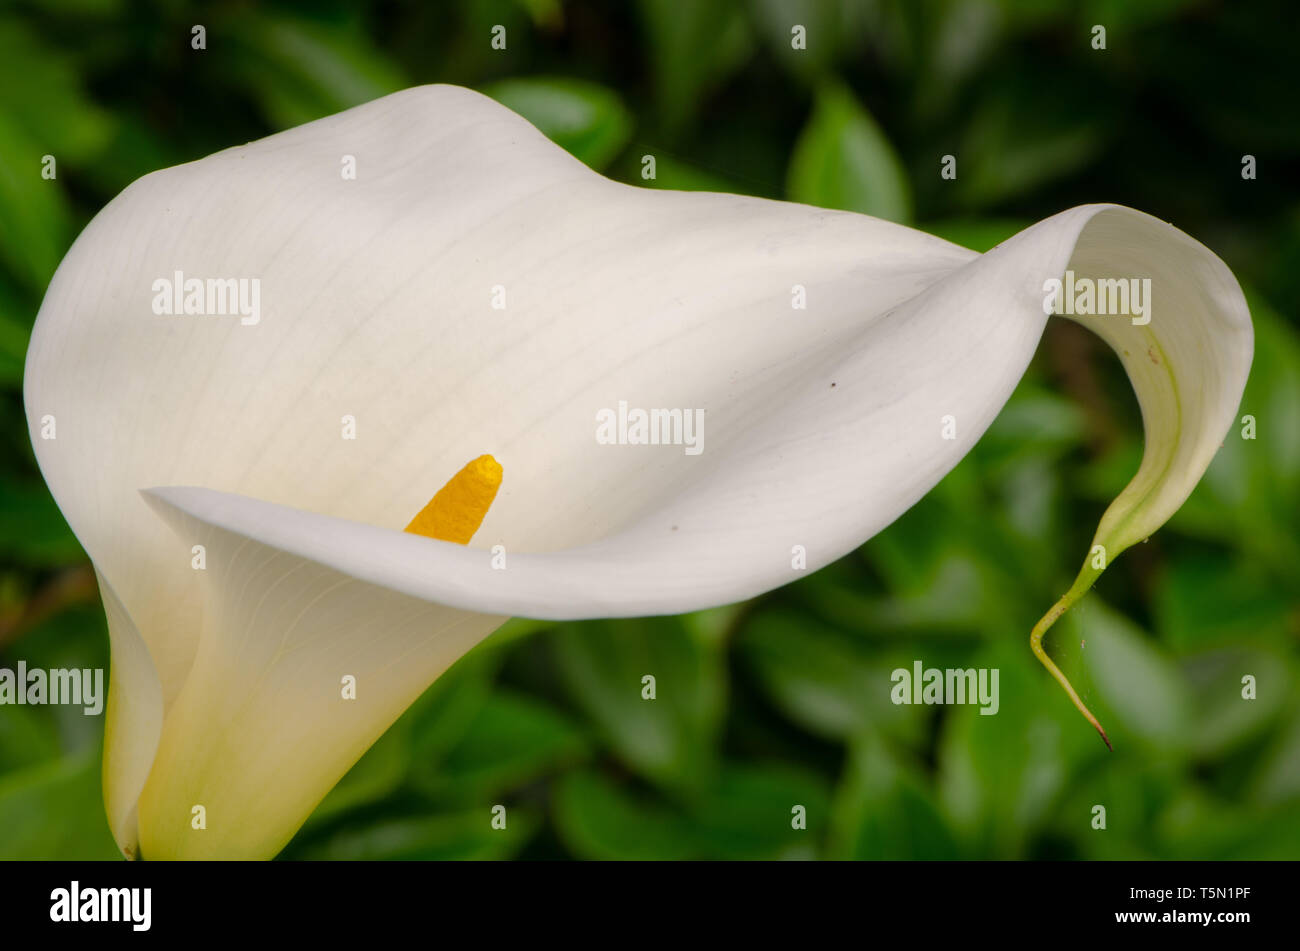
point(1080, 587)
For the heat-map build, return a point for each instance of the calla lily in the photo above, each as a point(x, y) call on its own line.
point(475, 291)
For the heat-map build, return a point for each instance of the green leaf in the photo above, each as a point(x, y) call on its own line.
point(1198, 825)
point(544, 13)
point(26, 737)
point(942, 594)
point(1132, 787)
point(978, 234)
point(948, 43)
point(694, 46)
point(513, 740)
point(1021, 136)
point(822, 679)
point(300, 69)
point(466, 835)
point(14, 333)
point(712, 626)
point(1218, 599)
point(32, 528)
point(444, 712)
point(74, 636)
point(1224, 719)
point(35, 219)
point(1250, 495)
point(750, 814)
point(55, 811)
point(1276, 780)
point(587, 120)
point(41, 94)
point(999, 775)
point(670, 739)
point(1120, 15)
point(843, 160)
point(1134, 680)
point(952, 567)
point(832, 28)
point(885, 810)
point(598, 819)
point(136, 149)
point(1035, 423)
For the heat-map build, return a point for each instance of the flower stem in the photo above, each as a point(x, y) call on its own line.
point(1080, 587)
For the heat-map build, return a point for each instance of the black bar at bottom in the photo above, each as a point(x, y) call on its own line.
point(616, 902)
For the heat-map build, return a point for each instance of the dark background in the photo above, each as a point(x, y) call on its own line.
point(784, 700)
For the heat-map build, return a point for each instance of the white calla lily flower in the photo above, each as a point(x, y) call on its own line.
point(475, 290)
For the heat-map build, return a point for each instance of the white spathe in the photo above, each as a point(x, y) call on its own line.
point(823, 424)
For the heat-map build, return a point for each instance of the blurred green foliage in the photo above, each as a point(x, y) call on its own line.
point(782, 701)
